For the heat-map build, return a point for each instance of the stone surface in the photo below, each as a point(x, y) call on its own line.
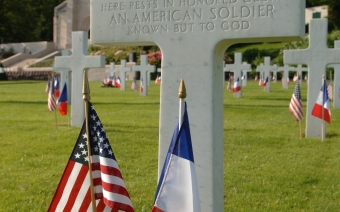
point(65, 76)
point(266, 68)
point(285, 69)
point(112, 69)
point(299, 69)
point(316, 57)
point(123, 69)
point(336, 86)
point(245, 75)
point(193, 37)
point(77, 62)
point(144, 68)
point(237, 67)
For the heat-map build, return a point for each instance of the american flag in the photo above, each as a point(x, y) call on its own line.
point(134, 85)
point(47, 89)
point(73, 192)
point(51, 101)
point(295, 106)
point(330, 90)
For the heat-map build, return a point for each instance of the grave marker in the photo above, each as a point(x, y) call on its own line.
point(317, 56)
point(299, 70)
point(77, 62)
point(65, 76)
point(275, 76)
point(245, 74)
point(194, 36)
point(237, 67)
point(111, 70)
point(336, 86)
point(144, 68)
point(286, 68)
point(123, 69)
point(266, 69)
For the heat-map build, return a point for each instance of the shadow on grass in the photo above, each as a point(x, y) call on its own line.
point(19, 82)
point(278, 99)
point(332, 135)
point(127, 103)
point(254, 106)
point(28, 102)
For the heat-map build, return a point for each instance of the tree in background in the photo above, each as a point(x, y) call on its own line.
point(27, 20)
point(333, 11)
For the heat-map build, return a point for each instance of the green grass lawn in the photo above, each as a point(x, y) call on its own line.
point(266, 166)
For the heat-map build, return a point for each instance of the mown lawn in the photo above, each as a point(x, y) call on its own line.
point(266, 166)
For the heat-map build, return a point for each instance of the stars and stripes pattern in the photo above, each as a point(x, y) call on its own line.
point(330, 89)
point(51, 101)
point(107, 179)
point(73, 192)
point(295, 106)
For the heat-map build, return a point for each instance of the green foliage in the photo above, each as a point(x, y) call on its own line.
point(6, 54)
point(266, 166)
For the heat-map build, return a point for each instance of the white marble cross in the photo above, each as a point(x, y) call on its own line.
point(123, 69)
point(317, 56)
point(286, 68)
point(245, 75)
point(111, 70)
point(336, 86)
point(299, 70)
point(194, 36)
point(65, 76)
point(144, 68)
point(238, 66)
point(266, 69)
point(275, 76)
point(77, 62)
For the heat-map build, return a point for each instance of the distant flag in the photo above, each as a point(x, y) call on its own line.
point(296, 78)
point(73, 192)
point(256, 78)
point(265, 82)
point(117, 83)
point(158, 80)
point(229, 84)
point(134, 85)
point(56, 87)
point(177, 188)
point(237, 86)
point(295, 106)
point(51, 101)
point(47, 89)
point(322, 105)
point(62, 101)
point(260, 80)
point(330, 89)
point(141, 85)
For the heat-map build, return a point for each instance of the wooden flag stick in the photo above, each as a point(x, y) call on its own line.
point(86, 98)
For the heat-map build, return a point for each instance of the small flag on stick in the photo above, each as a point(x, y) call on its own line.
point(295, 106)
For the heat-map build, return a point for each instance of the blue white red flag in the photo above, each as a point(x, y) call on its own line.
point(117, 83)
point(73, 192)
point(56, 87)
point(177, 189)
point(237, 86)
point(321, 108)
point(62, 101)
point(265, 82)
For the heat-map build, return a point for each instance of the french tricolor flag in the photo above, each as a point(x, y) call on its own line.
point(237, 86)
point(265, 82)
point(62, 101)
point(321, 107)
point(177, 189)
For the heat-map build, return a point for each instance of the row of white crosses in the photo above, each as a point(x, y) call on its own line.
point(239, 68)
point(317, 56)
point(266, 68)
point(144, 68)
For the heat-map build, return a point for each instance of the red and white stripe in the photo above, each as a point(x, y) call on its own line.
point(108, 183)
point(295, 107)
point(73, 192)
